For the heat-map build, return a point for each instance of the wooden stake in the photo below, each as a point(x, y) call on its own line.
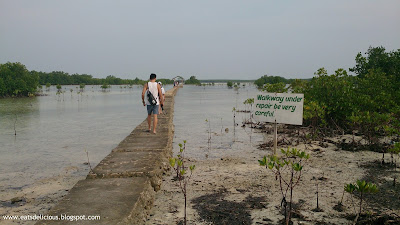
point(275, 137)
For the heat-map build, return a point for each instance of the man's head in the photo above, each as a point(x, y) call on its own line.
point(153, 76)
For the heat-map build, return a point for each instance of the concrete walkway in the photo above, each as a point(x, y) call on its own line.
point(121, 188)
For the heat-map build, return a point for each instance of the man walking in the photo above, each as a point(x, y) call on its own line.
point(155, 90)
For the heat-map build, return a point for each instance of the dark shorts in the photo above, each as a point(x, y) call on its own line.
point(152, 109)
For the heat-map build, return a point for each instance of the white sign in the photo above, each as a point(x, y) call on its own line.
point(279, 107)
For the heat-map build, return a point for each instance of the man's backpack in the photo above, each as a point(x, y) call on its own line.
point(150, 97)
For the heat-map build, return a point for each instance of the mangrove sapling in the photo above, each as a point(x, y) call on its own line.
point(82, 86)
point(178, 164)
point(222, 127)
point(362, 188)
point(395, 150)
point(209, 137)
point(88, 162)
point(234, 123)
point(287, 170)
point(249, 101)
point(15, 124)
point(317, 209)
point(58, 88)
point(48, 86)
point(339, 206)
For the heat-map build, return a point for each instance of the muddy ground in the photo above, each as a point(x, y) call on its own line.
point(237, 190)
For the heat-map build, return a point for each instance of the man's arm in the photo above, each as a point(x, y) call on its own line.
point(160, 95)
point(144, 90)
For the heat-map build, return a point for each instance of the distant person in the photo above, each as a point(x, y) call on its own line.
point(155, 90)
point(163, 95)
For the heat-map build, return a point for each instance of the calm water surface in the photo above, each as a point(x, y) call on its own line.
point(54, 131)
point(194, 105)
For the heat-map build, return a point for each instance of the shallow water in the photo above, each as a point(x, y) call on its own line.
point(54, 131)
point(194, 105)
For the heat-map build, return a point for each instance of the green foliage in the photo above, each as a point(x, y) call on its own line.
point(395, 148)
point(105, 86)
point(335, 92)
point(394, 151)
point(375, 92)
point(314, 113)
point(378, 58)
point(82, 86)
point(178, 164)
point(287, 169)
point(16, 80)
point(192, 80)
point(275, 88)
point(59, 77)
point(165, 81)
point(372, 124)
point(368, 102)
point(229, 84)
point(362, 187)
point(226, 80)
point(298, 86)
point(269, 80)
point(249, 101)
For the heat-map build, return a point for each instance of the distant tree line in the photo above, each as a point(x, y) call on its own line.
point(62, 78)
point(226, 80)
point(266, 79)
point(16, 80)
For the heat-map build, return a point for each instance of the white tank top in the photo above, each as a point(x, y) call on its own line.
point(152, 87)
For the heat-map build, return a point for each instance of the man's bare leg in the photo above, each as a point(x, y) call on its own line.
point(149, 121)
point(155, 123)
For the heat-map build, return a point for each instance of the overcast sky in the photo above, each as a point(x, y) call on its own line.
point(230, 39)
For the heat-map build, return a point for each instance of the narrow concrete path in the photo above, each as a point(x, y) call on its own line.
point(121, 188)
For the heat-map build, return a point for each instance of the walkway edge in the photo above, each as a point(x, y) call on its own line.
point(121, 188)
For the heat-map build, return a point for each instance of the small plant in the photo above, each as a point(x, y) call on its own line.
point(394, 151)
point(317, 209)
point(234, 123)
point(178, 164)
point(249, 101)
point(82, 86)
point(48, 86)
point(362, 188)
point(15, 123)
point(88, 162)
point(105, 86)
point(209, 136)
point(287, 170)
point(229, 84)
